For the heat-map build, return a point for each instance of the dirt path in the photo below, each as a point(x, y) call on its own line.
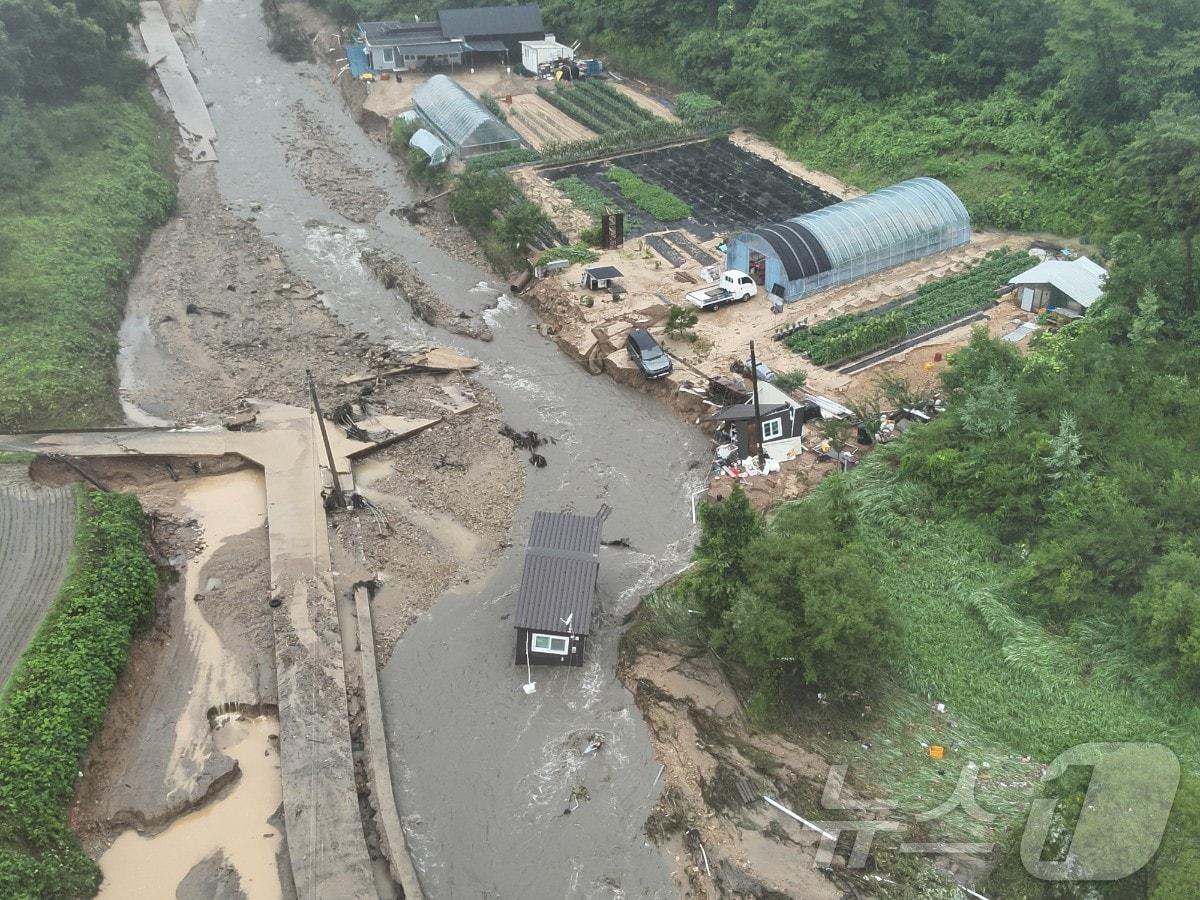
point(37, 532)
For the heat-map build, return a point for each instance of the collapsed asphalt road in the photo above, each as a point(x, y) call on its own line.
point(484, 771)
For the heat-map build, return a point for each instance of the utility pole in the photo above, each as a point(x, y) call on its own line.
point(338, 496)
point(757, 414)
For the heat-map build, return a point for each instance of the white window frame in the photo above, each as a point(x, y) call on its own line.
point(389, 56)
point(550, 640)
point(772, 429)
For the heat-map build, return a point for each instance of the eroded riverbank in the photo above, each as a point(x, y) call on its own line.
point(470, 751)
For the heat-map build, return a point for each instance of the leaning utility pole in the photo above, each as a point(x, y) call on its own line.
point(757, 415)
point(338, 497)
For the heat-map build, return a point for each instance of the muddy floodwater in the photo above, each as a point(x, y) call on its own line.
point(484, 772)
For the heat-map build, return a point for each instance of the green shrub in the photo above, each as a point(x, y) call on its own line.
point(659, 202)
point(576, 253)
point(56, 700)
point(691, 106)
point(402, 132)
point(502, 160)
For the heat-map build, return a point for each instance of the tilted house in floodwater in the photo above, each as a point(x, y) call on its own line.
point(558, 586)
point(848, 240)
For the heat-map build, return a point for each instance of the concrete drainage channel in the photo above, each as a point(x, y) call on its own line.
point(392, 865)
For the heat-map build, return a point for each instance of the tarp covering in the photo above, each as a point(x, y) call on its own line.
point(461, 120)
point(434, 149)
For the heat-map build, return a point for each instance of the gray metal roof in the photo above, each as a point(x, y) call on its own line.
point(402, 34)
point(558, 582)
point(1080, 279)
point(491, 21)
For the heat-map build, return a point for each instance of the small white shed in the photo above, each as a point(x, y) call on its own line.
point(535, 54)
point(1068, 284)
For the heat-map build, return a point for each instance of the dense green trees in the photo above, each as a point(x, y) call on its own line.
point(792, 596)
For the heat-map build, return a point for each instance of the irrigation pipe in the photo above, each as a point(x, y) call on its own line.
point(803, 821)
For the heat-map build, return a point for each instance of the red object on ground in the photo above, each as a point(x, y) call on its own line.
point(384, 76)
point(508, 99)
point(937, 357)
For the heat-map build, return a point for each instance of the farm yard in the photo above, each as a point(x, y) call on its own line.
point(540, 122)
point(726, 188)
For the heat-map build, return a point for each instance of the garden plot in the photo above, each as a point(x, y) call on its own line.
point(37, 527)
point(727, 188)
point(539, 123)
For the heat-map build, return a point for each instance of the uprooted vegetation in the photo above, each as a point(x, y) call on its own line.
point(56, 700)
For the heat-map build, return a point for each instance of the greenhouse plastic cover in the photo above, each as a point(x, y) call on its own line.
point(459, 117)
point(434, 149)
point(848, 240)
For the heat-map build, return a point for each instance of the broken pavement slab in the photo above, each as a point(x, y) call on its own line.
point(436, 360)
point(325, 838)
point(196, 128)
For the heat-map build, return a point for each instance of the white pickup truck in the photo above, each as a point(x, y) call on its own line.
point(733, 287)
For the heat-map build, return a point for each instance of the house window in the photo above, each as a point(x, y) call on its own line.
point(550, 643)
point(772, 428)
point(387, 56)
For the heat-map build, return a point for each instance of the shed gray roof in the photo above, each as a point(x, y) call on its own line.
point(491, 21)
point(1080, 279)
point(558, 581)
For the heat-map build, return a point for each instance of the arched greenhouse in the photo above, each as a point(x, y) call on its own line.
point(460, 120)
point(853, 238)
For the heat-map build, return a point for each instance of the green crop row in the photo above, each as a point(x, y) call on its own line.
point(558, 152)
point(502, 159)
point(659, 202)
point(597, 106)
point(936, 304)
point(56, 700)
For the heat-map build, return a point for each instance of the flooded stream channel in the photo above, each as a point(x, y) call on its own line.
point(484, 772)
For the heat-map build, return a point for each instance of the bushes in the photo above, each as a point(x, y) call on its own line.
point(576, 253)
point(856, 334)
point(402, 132)
point(614, 141)
point(68, 235)
point(492, 208)
point(502, 159)
point(659, 202)
point(56, 700)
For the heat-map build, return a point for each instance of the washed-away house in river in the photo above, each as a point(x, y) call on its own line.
point(558, 586)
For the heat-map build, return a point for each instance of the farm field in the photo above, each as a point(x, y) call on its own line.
point(726, 187)
point(597, 106)
point(938, 303)
point(37, 528)
point(539, 122)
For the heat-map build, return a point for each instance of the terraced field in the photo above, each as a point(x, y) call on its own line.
point(37, 532)
point(540, 123)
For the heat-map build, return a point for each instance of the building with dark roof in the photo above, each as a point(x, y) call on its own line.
point(851, 239)
point(396, 46)
point(558, 587)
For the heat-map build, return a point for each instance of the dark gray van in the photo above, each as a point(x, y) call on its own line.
point(648, 354)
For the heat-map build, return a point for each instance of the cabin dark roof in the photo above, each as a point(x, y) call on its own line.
point(744, 412)
point(602, 272)
point(559, 579)
point(491, 21)
point(401, 34)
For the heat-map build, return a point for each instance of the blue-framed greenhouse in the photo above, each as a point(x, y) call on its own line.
point(848, 240)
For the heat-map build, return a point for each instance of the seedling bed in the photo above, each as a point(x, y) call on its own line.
point(728, 188)
point(665, 250)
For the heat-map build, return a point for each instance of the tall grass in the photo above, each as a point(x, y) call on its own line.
point(68, 241)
